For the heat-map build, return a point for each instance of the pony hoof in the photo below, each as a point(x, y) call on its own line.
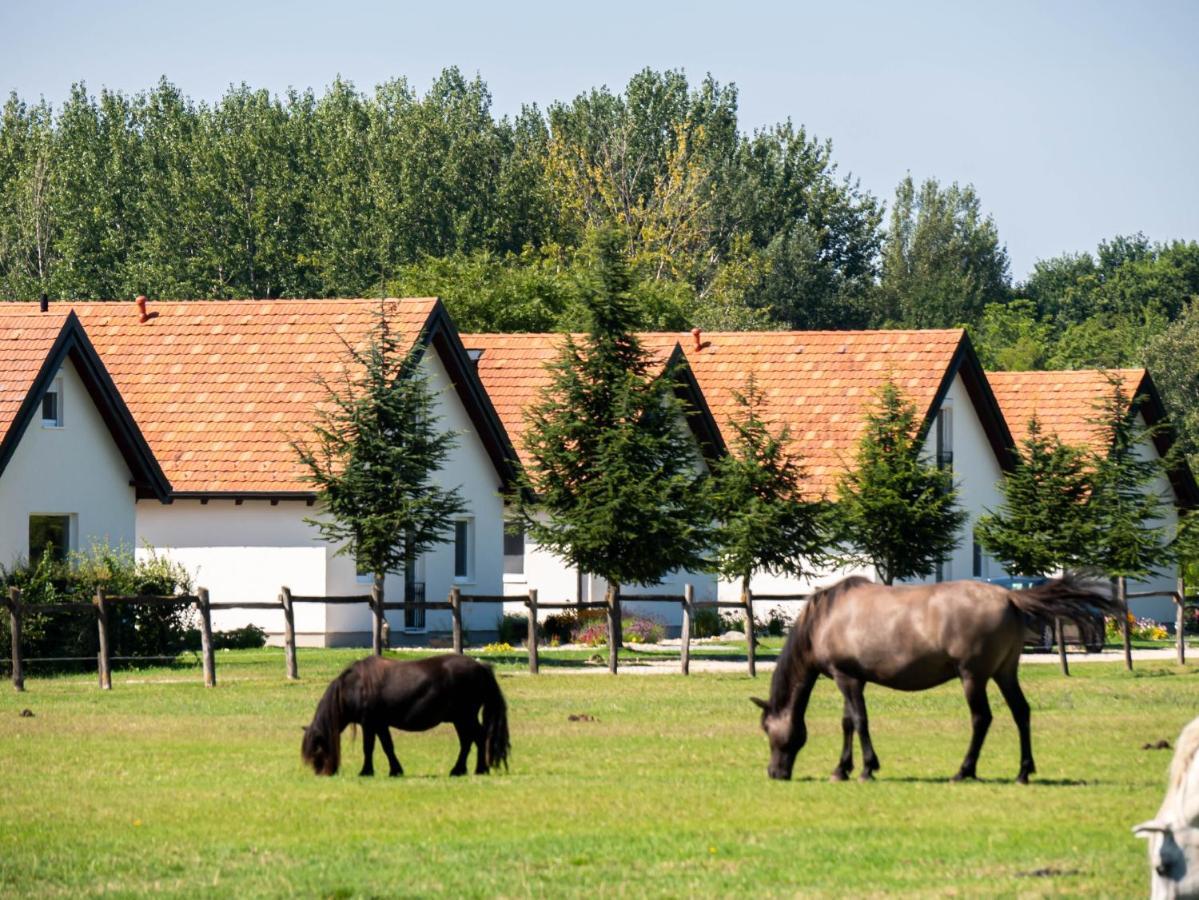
point(866, 776)
point(1022, 778)
point(964, 776)
point(839, 775)
point(398, 773)
point(366, 774)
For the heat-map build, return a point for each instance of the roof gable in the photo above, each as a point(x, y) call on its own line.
point(36, 347)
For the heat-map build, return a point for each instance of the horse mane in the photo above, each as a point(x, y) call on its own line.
point(327, 723)
point(797, 649)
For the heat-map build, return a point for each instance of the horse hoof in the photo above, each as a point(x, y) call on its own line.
point(964, 776)
point(366, 774)
point(866, 776)
point(396, 774)
point(839, 775)
point(1021, 778)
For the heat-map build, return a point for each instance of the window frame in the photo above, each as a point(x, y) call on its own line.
point(68, 531)
point(55, 390)
point(467, 526)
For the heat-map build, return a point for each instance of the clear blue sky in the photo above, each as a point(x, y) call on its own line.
point(1074, 120)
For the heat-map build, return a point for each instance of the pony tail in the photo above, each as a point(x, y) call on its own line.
point(495, 723)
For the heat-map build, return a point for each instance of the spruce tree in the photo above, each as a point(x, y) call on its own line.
point(896, 511)
point(372, 453)
point(1044, 522)
point(766, 523)
point(613, 485)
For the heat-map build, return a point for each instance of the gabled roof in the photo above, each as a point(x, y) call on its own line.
point(821, 383)
point(33, 348)
point(1066, 402)
point(220, 387)
point(512, 368)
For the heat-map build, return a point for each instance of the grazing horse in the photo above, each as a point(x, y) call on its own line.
point(912, 638)
point(380, 694)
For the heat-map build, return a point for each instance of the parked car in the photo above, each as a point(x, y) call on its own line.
point(1040, 635)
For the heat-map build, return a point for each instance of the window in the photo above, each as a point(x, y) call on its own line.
point(52, 405)
point(514, 549)
point(49, 532)
point(945, 438)
point(464, 549)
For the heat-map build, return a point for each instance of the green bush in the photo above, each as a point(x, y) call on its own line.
point(558, 628)
point(705, 623)
point(513, 628)
point(134, 630)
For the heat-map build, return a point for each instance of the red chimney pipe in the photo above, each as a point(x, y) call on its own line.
point(697, 333)
point(141, 308)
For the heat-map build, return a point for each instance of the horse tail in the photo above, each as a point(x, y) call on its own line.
point(1065, 598)
point(495, 722)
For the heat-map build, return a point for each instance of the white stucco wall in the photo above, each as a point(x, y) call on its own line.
point(1162, 609)
point(248, 552)
point(74, 470)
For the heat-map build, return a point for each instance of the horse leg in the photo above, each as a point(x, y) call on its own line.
point(368, 750)
point(845, 766)
point(465, 739)
point(481, 767)
point(390, 750)
point(854, 690)
point(980, 719)
point(1009, 685)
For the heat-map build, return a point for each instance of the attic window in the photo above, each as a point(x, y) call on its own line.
point(52, 405)
point(475, 356)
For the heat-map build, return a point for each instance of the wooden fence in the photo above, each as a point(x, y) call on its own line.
point(102, 603)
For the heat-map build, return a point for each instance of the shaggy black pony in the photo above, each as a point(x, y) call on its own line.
point(379, 694)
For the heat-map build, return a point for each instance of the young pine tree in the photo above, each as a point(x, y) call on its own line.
point(766, 524)
point(612, 482)
point(1045, 522)
point(897, 511)
point(372, 454)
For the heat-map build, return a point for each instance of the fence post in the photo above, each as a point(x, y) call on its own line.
point(289, 634)
point(685, 631)
point(1181, 621)
point(531, 640)
point(747, 598)
point(1059, 634)
point(102, 658)
point(377, 618)
point(613, 598)
point(206, 637)
point(1122, 596)
point(14, 622)
point(456, 615)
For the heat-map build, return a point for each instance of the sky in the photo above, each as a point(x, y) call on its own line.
point(1075, 121)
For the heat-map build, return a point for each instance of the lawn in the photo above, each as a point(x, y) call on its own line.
point(164, 787)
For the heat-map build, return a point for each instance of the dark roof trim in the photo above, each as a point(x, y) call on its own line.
point(695, 406)
point(240, 497)
point(440, 332)
point(73, 343)
point(965, 362)
point(1148, 402)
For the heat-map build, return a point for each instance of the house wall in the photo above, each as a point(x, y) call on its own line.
point(74, 470)
point(247, 552)
point(1162, 609)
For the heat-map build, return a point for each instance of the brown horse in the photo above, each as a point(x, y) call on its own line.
point(380, 694)
point(912, 638)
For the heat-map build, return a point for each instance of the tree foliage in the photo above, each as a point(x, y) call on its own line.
point(897, 511)
point(372, 455)
point(766, 522)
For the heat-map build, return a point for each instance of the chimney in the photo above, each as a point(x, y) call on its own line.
point(698, 334)
point(142, 315)
point(44, 306)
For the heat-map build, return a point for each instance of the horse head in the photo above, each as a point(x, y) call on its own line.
point(787, 735)
point(319, 751)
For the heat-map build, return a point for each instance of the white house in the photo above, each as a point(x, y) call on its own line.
point(1065, 403)
point(221, 388)
point(73, 463)
point(512, 368)
point(820, 384)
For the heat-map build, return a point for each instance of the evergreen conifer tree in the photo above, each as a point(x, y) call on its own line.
point(896, 511)
point(613, 486)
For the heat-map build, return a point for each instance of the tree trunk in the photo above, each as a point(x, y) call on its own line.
point(750, 641)
point(613, 626)
point(1122, 596)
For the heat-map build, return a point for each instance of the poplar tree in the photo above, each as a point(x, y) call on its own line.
point(613, 485)
point(372, 454)
point(766, 523)
point(896, 511)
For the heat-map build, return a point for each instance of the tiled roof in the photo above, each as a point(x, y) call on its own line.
point(1062, 401)
point(819, 383)
point(512, 369)
point(23, 349)
point(220, 387)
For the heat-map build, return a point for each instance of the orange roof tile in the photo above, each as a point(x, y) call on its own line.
point(1064, 402)
point(23, 350)
point(817, 382)
point(218, 387)
point(512, 369)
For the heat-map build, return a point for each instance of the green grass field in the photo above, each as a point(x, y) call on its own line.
point(164, 787)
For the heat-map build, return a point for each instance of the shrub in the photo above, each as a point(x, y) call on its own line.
point(248, 637)
point(559, 627)
point(1138, 629)
point(705, 623)
point(513, 628)
point(643, 630)
point(775, 624)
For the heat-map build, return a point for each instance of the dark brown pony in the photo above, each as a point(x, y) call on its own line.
point(380, 694)
point(912, 638)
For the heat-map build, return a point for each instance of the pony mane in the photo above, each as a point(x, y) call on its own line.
point(797, 648)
